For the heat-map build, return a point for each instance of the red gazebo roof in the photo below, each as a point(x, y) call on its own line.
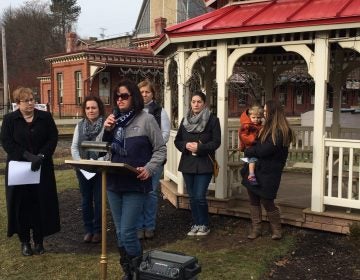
point(252, 16)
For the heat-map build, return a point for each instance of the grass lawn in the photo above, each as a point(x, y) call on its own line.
point(244, 260)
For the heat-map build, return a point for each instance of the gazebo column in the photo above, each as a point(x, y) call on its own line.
point(221, 189)
point(167, 102)
point(337, 85)
point(321, 74)
point(181, 107)
point(269, 77)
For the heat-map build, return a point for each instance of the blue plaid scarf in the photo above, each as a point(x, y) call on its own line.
point(118, 145)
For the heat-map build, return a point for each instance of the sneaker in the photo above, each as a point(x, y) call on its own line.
point(193, 231)
point(203, 230)
point(252, 180)
point(140, 234)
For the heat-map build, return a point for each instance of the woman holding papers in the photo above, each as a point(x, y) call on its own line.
point(135, 139)
point(90, 128)
point(28, 134)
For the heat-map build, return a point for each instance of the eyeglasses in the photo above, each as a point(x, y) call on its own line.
point(30, 100)
point(123, 96)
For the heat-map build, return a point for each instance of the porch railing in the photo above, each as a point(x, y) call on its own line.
point(342, 177)
point(343, 163)
point(172, 159)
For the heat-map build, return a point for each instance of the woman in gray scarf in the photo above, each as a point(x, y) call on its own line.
point(197, 139)
point(90, 128)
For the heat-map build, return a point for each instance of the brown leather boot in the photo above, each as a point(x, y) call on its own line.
point(256, 218)
point(275, 223)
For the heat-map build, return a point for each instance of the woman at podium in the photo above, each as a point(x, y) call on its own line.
point(136, 140)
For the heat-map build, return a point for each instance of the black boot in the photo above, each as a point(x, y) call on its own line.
point(26, 249)
point(39, 248)
point(125, 264)
point(134, 262)
point(129, 264)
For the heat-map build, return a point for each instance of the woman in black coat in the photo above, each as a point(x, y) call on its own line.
point(271, 149)
point(28, 134)
point(197, 139)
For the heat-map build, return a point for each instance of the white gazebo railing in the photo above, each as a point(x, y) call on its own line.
point(170, 171)
point(343, 164)
point(342, 184)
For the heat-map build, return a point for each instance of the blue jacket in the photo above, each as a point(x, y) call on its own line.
point(145, 147)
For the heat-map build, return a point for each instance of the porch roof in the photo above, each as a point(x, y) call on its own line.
point(111, 56)
point(250, 16)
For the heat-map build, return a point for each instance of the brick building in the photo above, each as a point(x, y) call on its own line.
point(96, 66)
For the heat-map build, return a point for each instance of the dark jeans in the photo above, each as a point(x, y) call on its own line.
point(197, 186)
point(28, 212)
point(90, 202)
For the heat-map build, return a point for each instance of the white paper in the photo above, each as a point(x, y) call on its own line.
point(245, 159)
point(20, 173)
point(87, 175)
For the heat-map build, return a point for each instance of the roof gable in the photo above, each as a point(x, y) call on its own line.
point(264, 15)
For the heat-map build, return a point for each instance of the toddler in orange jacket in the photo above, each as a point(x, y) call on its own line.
point(250, 126)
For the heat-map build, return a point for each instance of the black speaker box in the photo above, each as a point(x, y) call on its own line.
point(160, 265)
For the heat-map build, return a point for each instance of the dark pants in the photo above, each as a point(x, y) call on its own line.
point(197, 186)
point(90, 202)
point(256, 200)
point(28, 213)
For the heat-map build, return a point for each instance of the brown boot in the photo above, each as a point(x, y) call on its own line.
point(256, 218)
point(275, 223)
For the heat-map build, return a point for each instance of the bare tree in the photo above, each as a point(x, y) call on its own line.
point(29, 37)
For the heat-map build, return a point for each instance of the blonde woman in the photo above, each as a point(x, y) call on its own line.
point(28, 134)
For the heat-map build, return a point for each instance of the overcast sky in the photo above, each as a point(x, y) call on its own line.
point(112, 17)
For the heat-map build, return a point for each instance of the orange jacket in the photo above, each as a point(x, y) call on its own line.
point(248, 131)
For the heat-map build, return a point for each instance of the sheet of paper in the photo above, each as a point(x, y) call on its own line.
point(245, 159)
point(87, 175)
point(20, 173)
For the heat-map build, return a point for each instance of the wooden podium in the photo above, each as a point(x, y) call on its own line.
point(103, 167)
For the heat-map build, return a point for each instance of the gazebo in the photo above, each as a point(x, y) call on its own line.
point(268, 38)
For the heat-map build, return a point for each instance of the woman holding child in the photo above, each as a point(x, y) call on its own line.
point(271, 151)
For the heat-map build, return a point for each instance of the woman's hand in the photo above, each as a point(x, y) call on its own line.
point(109, 123)
point(192, 146)
point(143, 173)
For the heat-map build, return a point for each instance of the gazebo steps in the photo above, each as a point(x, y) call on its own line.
point(332, 220)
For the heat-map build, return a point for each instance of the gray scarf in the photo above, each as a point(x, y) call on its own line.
point(88, 131)
point(91, 130)
point(196, 123)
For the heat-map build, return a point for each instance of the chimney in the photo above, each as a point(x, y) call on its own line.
point(71, 42)
point(160, 25)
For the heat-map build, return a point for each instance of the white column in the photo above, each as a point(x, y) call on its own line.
point(221, 189)
point(321, 75)
point(181, 101)
point(167, 105)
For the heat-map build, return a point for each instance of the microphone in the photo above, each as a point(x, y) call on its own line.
point(116, 112)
